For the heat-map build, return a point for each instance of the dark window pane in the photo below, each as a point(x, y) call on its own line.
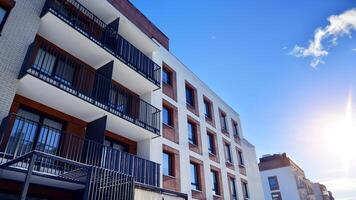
point(241, 159)
point(236, 130)
point(233, 189)
point(223, 122)
point(211, 146)
point(228, 153)
point(214, 182)
point(166, 77)
point(194, 176)
point(167, 164)
point(2, 14)
point(245, 190)
point(192, 133)
point(207, 106)
point(189, 94)
point(273, 183)
point(167, 116)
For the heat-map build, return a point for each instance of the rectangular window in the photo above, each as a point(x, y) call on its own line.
point(166, 77)
point(241, 159)
point(223, 121)
point(245, 190)
point(214, 182)
point(276, 196)
point(207, 106)
point(228, 153)
point(233, 188)
point(192, 133)
point(236, 129)
point(167, 116)
point(189, 94)
point(4, 13)
point(167, 164)
point(194, 176)
point(273, 183)
point(211, 144)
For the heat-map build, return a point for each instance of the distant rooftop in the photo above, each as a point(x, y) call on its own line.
point(275, 161)
point(141, 21)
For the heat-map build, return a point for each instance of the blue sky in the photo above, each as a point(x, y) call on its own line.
point(241, 49)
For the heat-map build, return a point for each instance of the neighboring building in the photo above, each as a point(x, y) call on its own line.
point(321, 192)
point(94, 106)
point(284, 179)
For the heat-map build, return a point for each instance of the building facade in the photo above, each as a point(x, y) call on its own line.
point(321, 192)
point(94, 106)
point(284, 179)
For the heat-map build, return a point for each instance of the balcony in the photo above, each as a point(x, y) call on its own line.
point(55, 78)
point(78, 31)
point(20, 136)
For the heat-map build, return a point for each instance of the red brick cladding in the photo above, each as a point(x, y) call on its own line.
point(141, 21)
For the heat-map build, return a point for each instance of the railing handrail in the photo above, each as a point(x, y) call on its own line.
point(156, 67)
point(78, 137)
point(66, 145)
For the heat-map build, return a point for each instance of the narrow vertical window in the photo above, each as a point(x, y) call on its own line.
point(194, 176)
point(228, 153)
point(214, 182)
point(167, 116)
point(166, 77)
point(241, 159)
point(5, 8)
point(273, 183)
point(211, 144)
point(167, 164)
point(233, 188)
point(189, 94)
point(245, 190)
point(192, 133)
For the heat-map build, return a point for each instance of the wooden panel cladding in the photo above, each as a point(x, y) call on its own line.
point(171, 132)
point(7, 4)
point(141, 21)
point(72, 125)
point(132, 145)
point(172, 182)
point(170, 89)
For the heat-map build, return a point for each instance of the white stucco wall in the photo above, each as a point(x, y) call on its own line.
point(286, 181)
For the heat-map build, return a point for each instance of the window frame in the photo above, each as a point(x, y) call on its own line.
point(228, 154)
point(273, 187)
point(241, 158)
point(170, 116)
point(170, 164)
point(192, 140)
point(215, 182)
point(235, 127)
point(169, 74)
point(211, 144)
point(7, 6)
point(232, 185)
point(196, 184)
point(207, 109)
point(190, 97)
point(245, 190)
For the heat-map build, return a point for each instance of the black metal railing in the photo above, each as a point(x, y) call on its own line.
point(84, 21)
point(54, 66)
point(20, 136)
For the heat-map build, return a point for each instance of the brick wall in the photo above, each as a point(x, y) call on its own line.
point(18, 32)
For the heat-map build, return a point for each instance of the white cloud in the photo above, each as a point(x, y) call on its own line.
point(339, 25)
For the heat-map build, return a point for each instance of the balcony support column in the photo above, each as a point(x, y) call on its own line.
point(26, 184)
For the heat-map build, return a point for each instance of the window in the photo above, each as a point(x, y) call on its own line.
point(194, 176)
point(233, 188)
point(5, 8)
point(245, 190)
point(167, 164)
point(228, 153)
point(192, 133)
point(167, 116)
point(223, 121)
point(276, 196)
point(211, 144)
point(214, 182)
point(116, 145)
point(166, 77)
point(273, 183)
point(189, 94)
point(235, 126)
point(241, 159)
point(207, 106)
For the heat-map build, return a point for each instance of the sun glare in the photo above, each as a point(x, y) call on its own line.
point(341, 136)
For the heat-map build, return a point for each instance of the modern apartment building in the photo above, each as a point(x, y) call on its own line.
point(94, 106)
point(284, 179)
